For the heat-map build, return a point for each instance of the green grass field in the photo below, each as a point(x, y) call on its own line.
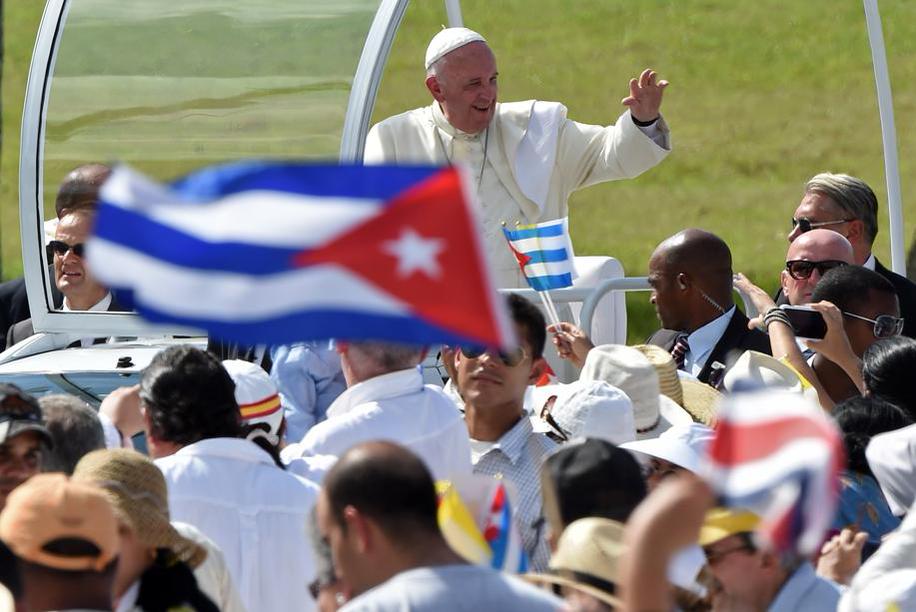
point(763, 95)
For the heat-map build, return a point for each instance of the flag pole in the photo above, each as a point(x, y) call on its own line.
point(548, 306)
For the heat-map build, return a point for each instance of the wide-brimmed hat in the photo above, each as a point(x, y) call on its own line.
point(588, 559)
point(631, 371)
point(697, 398)
point(137, 491)
point(682, 445)
point(763, 370)
point(50, 507)
point(588, 409)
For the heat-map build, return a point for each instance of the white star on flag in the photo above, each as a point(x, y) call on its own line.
point(414, 252)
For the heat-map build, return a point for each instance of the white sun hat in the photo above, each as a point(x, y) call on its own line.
point(447, 41)
point(630, 371)
point(592, 409)
point(682, 445)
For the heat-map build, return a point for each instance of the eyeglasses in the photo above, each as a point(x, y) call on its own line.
point(510, 359)
point(800, 269)
point(654, 467)
point(60, 248)
point(806, 225)
point(885, 326)
point(747, 545)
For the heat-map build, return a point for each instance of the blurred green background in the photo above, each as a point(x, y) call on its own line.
point(763, 95)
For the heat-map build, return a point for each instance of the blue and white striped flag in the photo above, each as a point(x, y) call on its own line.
point(544, 253)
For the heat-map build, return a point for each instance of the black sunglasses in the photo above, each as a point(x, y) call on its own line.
point(806, 225)
point(800, 269)
point(61, 248)
point(511, 358)
point(885, 326)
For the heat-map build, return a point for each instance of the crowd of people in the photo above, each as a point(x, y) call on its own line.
point(328, 476)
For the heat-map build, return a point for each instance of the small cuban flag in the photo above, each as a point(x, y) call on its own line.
point(778, 455)
point(544, 253)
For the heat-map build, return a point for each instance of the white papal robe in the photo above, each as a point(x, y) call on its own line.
point(524, 165)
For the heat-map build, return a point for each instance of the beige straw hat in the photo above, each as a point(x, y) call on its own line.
point(697, 398)
point(137, 490)
point(588, 559)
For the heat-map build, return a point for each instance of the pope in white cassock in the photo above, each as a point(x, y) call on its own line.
point(525, 158)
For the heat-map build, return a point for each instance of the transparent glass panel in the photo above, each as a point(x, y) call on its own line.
point(171, 87)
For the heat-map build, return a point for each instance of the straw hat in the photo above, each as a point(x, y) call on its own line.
point(137, 490)
point(697, 398)
point(590, 548)
point(631, 371)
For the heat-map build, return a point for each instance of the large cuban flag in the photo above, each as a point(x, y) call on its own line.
point(274, 253)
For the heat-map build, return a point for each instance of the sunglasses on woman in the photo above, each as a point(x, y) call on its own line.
point(511, 358)
point(885, 326)
point(800, 269)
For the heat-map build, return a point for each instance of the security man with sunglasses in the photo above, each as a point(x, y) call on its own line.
point(809, 257)
point(847, 205)
point(71, 275)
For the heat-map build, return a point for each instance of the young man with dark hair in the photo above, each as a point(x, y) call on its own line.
point(870, 311)
point(377, 511)
point(503, 443)
point(225, 485)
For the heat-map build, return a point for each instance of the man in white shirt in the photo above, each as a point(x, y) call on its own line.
point(225, 485)
point(691, 278)
point(525, 158)
point(387, 400)
point(377, 511)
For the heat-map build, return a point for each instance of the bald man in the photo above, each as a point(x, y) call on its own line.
point(524, 158)
point(691, 278)
point(808, 258)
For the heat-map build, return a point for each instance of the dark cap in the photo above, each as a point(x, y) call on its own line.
point(590, 478)
point(20, 412)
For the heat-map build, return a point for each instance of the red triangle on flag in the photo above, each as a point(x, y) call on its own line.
point(422, 249)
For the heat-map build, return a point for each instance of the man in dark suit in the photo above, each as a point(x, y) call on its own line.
point(847, 205)
point(79, 189)
point(71, 276)
point(691, 278)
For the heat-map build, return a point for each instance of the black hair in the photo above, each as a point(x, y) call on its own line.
point(530, 318)
point(886, 369)
point(387, 483)
point(169, 584)
point(850, 287)
point(10, 573)
point(860, 418)
point(80, 189)
point(189, 397)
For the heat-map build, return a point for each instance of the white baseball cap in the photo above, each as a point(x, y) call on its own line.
point(256, 394)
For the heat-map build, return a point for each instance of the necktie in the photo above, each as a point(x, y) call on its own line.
point(679, 350)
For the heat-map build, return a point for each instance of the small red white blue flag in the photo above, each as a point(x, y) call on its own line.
point(274, 253)
point(778, 455)
point(544, 253)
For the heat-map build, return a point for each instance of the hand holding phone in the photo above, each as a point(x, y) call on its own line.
point(807, 322)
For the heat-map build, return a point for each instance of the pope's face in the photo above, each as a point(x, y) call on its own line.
point(466, 87)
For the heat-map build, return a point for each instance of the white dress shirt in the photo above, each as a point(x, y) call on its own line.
point(703, 340)
point(399, 408)
point(256, 513)
point(100, 306)
point(870, 262)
